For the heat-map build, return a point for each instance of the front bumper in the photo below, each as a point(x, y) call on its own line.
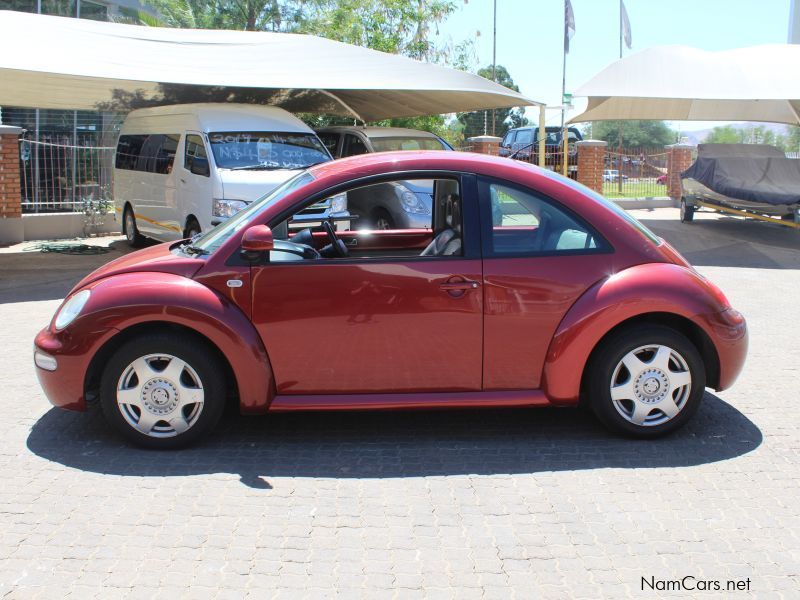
point(65, 386)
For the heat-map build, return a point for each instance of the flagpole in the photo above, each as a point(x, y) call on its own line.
point(564, 137)
point(619, 148)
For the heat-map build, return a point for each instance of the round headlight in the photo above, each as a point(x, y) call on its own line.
point(71, 309)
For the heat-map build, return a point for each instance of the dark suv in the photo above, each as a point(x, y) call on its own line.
point(523, 144)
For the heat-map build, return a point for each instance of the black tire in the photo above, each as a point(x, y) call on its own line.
point(605, 361)
point(381, 219)
point(687, 212)
point(201, 359)
point(130, 230)
point(192, 228)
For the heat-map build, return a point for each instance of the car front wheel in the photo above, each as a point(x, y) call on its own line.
point(646, 381)
point(162, 391)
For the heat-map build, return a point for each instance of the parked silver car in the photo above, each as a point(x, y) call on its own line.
point(402, 205)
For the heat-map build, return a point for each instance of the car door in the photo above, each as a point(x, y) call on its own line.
point(400, 324)
point(195, 190)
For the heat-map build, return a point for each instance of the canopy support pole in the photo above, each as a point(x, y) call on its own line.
point(343, 103)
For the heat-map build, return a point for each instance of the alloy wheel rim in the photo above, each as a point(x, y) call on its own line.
point(382, 223)
point(650, 385)
point(160, 395)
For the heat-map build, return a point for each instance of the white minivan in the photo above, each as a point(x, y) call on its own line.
point(181, 169)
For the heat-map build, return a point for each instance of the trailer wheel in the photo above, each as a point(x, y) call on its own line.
point(687, 212)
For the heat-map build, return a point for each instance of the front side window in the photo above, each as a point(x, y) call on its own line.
point(390, 144)
point(353, 146)
point(525, 136)
point(195, 148)
point(403, 218)
point(330, 140)
point(266, 150)
point(523, 223)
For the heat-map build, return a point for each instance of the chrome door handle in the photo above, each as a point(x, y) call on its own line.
point(459, 285)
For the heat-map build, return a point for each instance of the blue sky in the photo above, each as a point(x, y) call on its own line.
point(530, 34)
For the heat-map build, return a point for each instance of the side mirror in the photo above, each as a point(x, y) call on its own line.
point(258, 239)
point(199, 166)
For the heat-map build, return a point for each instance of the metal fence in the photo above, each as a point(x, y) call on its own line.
point(59, 175)
point(635, 173)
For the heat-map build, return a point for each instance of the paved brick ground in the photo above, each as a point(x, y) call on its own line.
point(492, 504)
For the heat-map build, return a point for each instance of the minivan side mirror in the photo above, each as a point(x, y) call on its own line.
point(199, 166)
point(258, 239)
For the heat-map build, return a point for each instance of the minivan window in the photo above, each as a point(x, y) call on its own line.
point(266, 150)
point(149, 153)
point(194, 149)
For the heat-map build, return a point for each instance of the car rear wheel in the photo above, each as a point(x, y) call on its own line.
point(687, 212)
point(162, 391)
point(135, 239)
point(646, 381)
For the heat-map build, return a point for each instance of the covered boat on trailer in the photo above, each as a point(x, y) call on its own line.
point(754, 180)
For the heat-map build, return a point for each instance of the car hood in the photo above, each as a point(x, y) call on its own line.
point(159, 259)
point(251, 185)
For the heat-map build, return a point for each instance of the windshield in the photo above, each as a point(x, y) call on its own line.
point(266, 150)
point(211, 241)
point(389, 144)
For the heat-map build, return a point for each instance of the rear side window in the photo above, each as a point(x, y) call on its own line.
point(525, 224)
point(148, 153)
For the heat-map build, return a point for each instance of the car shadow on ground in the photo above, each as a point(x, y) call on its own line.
point(397, 444)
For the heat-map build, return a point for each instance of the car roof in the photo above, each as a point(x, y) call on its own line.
point(378, 132)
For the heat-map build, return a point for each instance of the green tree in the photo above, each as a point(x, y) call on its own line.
point(500, 120)
point(641, 134)
point(725, 134)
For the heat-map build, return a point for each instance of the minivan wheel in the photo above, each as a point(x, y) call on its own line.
point(135, 239)
point(646, 381)
point(192, 228)
point(162, 391)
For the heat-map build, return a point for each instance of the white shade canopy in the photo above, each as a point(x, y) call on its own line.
point(679, 83)
point(57, 62)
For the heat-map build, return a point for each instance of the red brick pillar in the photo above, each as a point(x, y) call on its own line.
point(591, 163)
point(11, 230)
point(484, 144)
point(679, 158)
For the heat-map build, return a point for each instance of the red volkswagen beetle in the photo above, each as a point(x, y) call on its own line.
point(524, 289)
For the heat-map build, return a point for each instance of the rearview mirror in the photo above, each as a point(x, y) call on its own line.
point(258, 239)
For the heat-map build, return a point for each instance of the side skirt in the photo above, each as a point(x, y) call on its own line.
point(491, 399)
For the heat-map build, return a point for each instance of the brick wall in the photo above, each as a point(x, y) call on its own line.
point(10, 194)
point(591, 163)
point(679, 158)
point(484, 144)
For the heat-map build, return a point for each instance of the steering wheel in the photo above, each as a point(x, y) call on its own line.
point(338, 245)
